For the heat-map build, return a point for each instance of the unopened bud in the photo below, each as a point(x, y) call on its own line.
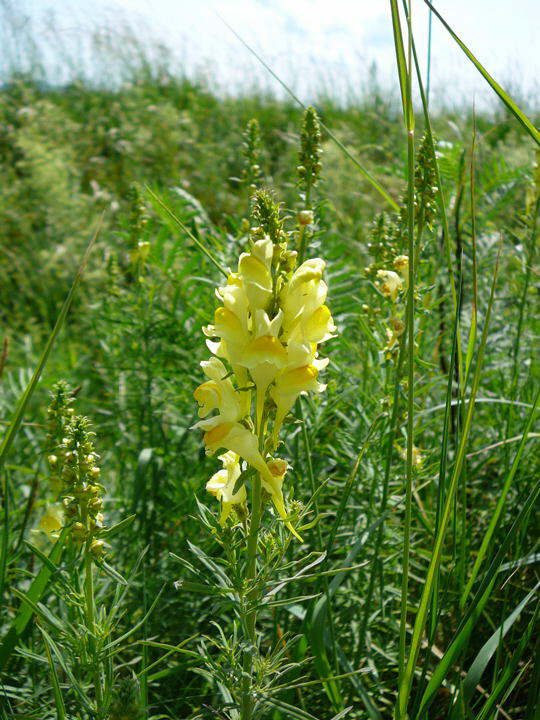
point(97, 548)
point(305, 217)
point(78, 532)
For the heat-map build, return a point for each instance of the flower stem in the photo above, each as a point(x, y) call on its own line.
point(250, 617)
point(91, 625)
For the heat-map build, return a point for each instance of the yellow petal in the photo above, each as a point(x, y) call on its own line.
point(264, 349)
point(257, 280)
point(391, 283)
point(228, 326)
point(319, 326)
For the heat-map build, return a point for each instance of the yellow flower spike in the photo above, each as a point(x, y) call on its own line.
point(222, 483)
point(391, 283)
point(273, 486)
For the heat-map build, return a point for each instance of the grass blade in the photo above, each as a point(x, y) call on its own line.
point(507, 100)
point(58, 699)
point(467, 623)
point(487, 651)
point(34, 594)
point(419, 625)
point(493, 523)
point(167, 212)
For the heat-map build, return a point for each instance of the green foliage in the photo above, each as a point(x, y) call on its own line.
point(170, 164)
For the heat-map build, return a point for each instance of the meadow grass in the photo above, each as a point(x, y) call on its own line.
point(412, 479)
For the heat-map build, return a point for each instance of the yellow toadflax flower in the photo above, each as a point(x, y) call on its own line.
point(264, 337)
point(391, 283)
point(221, 485)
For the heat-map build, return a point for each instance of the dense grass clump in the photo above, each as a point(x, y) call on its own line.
point(412, 480)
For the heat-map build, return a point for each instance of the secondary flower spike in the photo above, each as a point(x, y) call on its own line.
point(264, 342)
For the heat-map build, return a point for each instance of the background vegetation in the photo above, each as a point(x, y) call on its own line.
point(131, 344)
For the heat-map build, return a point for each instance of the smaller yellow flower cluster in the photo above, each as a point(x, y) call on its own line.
point(82, 492)
point(264, 338)
point(391, 283)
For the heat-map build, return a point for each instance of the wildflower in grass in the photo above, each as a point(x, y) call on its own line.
point(393, 333)
point(264, 338)
point(222, 485)
point(309, 167)
point(390, 284)
point(49, 525)
point(251, 150)
point(59, 413)
point(82, 492)
point(401, 264)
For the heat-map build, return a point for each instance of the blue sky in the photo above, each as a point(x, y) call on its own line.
point(311, 42)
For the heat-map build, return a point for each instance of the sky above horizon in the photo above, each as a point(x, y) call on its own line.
point(311, 44)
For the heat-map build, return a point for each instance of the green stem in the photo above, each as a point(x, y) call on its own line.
point(410, 404)
point(91, 625)
point(250, 614)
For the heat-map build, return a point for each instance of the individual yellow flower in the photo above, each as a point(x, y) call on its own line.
point(303, 294)
point(234, 298)
point(391, 283)
point(217, 393)
point(264, 356)
point(52, 520)
point(289, 385)
point(49, 526)
point(273, 486)
point(255, 270)
point(222, 483)
point(236, 438)
point(315, 328)
point(394, 334)
point(401, 263)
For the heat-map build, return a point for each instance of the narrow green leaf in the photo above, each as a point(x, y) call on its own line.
point(489, 648)
point(34, 594)
point(505, 683)
point(400, 55)
point(58, 698)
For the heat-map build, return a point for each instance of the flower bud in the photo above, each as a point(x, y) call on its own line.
point(305, 217)
point(97, 548)
point(79, 532)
